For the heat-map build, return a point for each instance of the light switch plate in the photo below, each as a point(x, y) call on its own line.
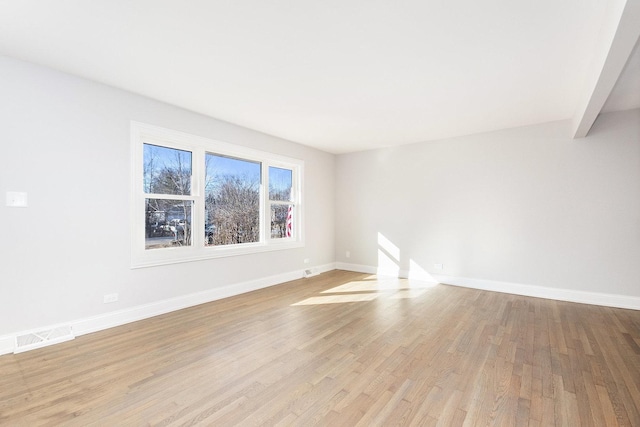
point(110, 298)
point(16, 199)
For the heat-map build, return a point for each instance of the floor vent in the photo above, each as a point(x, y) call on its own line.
point(33, 340)
point(310, 272)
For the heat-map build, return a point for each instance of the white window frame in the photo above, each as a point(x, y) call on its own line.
point(142, 133)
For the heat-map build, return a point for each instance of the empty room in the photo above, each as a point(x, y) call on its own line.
point(343, 213)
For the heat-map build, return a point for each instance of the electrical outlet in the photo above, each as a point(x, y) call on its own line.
point(348, 254)
point(17, 199)
point(438, 266)
point(110, 298)
point(307, 260)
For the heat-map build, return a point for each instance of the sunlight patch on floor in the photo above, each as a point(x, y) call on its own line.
point(407, 293)
point(381, 285)
point(369, 290)
point(338, 299)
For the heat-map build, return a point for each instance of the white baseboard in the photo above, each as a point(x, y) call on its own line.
point(571, 295)
point(584, 297)
point(405, 274)
point(133, 314)
point(358, 268)
point(7, 344)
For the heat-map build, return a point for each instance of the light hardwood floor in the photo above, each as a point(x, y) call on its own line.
point(341, 349)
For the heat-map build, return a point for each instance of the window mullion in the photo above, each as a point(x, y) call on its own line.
point(197, 191)
point(265, 208)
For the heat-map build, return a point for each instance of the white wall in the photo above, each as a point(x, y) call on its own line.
point(524, 206)
point(65, 141)
point(527, 206)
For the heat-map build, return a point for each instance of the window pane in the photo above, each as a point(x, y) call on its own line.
point(166, 170)
point(281, 221)
point(232, 200)
point(168, 223)
point(280, 183)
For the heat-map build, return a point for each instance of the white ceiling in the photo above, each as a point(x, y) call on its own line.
point(340, 75)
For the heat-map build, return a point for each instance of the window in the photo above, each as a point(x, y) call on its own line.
point(168, 200)
point(195, 198)
point(232, 200)
point(281, 202)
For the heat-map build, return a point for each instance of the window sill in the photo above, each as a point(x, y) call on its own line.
point(154, 257)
